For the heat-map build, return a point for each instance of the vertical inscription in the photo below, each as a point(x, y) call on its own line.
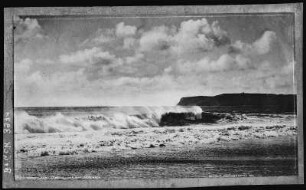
point(7, 145)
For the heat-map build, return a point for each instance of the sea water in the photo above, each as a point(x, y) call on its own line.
point(77, 119)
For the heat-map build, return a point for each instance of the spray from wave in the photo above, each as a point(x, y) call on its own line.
point(140, 117)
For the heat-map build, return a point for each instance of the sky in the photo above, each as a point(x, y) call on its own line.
point(149, 61)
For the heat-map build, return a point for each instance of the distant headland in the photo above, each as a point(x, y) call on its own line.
point(250, 101)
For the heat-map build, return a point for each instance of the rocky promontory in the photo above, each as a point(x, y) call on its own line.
point(279, 103)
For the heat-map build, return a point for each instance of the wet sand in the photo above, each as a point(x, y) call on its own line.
point(275, 156)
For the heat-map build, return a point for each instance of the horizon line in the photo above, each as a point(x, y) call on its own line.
point(93, 106)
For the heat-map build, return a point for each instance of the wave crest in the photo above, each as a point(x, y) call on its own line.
point(144, 117)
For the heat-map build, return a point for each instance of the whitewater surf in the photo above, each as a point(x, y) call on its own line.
point(40, 120)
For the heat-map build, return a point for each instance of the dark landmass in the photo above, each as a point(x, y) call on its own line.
point(244, 102)
point(181, 119)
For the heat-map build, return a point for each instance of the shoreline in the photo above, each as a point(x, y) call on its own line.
point(253, 157)
point(73, 143)
point(258, 146)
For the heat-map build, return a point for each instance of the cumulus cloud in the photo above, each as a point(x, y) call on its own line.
point(91, 56)
point(224, 63)
point(100, 37)
point(168, 69)
point(259, 47)
point(99, 70)
point(121, 33)
point(263, 44)
point(191, 36)
point(129, 43)
point(135, 58)
point(199, 35)
point(156, 39)
point(95, 62)
point(123, 30)
point(227, 62)
point(243, 62)
point(27, 29)
point(124, 65)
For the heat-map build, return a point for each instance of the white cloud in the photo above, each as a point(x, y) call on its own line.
point(156, 39)
point(191, 37)
point(100, 37)
point(91, 56)
point(157, 66)
point(224, 63)
point(263, 44)
point(199, 36)
point(168, 69)
point(95, 62)
point(192, 67)
point(259, 47)
point(121, 33)
point(135, 58)
point(129, 43)
point(227, 62)
point(243, 62)
point(123, 30)
point(27, 29)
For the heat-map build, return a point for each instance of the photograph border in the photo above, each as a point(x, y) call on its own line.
point(145, 11)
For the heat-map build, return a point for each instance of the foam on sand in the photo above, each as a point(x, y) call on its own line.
point(70, 143)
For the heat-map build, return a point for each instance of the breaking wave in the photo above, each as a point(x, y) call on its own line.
point(59, 122)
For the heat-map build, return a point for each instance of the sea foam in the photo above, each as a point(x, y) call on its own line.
point(59, 122)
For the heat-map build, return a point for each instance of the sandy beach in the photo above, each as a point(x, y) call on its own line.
point(246, 148)
point(268, 157)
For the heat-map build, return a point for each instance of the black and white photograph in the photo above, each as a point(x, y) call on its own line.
point(155, 97)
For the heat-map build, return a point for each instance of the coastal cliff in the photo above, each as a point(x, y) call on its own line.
point(259, 102)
